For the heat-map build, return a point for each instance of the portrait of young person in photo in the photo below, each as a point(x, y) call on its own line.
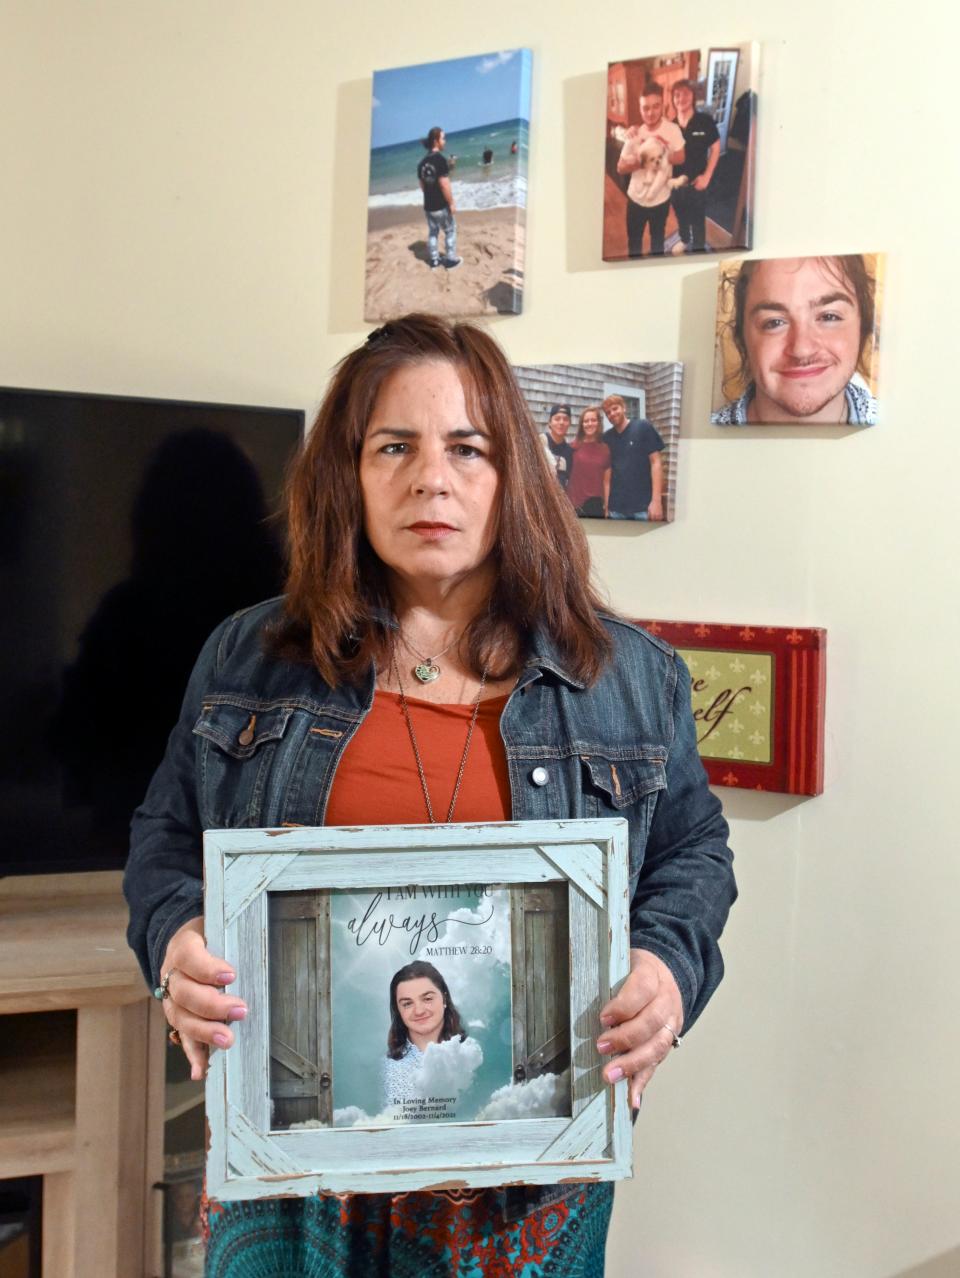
point(589, 487)
point(635, 490)
point(797, 341)
point(557, 444)
point(439, 206)
point(650, 149)
point(701, 153)
point(422, 1012)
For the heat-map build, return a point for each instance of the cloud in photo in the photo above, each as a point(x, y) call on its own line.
point(448, 1068)
point(486, 65)
point(349, 1116)
point(495, 933)
point(354, 1116)
point(542, 1097)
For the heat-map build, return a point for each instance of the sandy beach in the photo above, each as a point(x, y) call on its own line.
point(399, 277)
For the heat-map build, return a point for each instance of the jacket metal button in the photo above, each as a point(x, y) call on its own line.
point(539, 776)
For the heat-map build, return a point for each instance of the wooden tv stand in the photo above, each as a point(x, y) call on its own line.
point(81, 1093)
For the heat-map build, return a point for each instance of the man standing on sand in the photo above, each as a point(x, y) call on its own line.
point(648, 193)
point(636, 484)
point(433, 173)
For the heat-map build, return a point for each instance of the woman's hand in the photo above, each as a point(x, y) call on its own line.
point(640, 1023)
point(195, 1007)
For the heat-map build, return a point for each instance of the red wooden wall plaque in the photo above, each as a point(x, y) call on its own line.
point(758, 699)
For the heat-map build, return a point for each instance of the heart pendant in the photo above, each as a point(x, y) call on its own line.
point(427, 672)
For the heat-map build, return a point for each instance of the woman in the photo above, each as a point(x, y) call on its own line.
point(431, 551)
point(701, 149)
point(589, 486)
point(421, 1012)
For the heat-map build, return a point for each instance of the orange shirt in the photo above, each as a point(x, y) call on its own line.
point(377, 782)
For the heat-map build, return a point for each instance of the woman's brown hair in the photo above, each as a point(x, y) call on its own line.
point(398, 1036)
point(336, 585)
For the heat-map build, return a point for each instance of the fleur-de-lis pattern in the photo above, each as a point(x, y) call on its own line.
point(771, 718)
point(732, 703)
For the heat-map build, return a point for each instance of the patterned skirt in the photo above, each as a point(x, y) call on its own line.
point(408, 1236)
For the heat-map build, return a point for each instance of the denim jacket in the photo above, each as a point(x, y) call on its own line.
point(623, 747)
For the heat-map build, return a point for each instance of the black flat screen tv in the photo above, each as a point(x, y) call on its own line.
point(128, 529)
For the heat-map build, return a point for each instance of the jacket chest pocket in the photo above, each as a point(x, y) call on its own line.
point(627, 787)
point(238, 741)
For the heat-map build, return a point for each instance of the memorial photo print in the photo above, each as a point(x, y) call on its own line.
point(424, 1020)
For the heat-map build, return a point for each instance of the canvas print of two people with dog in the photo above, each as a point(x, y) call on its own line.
point(679, 172)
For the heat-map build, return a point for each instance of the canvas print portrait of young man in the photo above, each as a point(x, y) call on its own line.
point(798, 341)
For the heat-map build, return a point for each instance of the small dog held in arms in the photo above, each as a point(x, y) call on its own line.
point(653, 170)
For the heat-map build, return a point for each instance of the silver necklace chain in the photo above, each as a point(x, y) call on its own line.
point(416, 749)
point(417, 653)
point(427, 670)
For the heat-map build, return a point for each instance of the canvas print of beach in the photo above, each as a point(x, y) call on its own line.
point(448, 187)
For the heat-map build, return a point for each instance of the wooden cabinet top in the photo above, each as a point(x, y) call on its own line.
point(63, 943)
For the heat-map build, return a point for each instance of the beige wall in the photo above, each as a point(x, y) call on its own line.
point(183, 215)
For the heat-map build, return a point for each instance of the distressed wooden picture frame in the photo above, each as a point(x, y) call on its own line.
point(759, 695)
point(583, 861)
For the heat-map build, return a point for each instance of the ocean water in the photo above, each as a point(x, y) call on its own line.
point(502, 184)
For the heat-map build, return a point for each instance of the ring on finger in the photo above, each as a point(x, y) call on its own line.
point(677, 1040)
point(163, 989)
